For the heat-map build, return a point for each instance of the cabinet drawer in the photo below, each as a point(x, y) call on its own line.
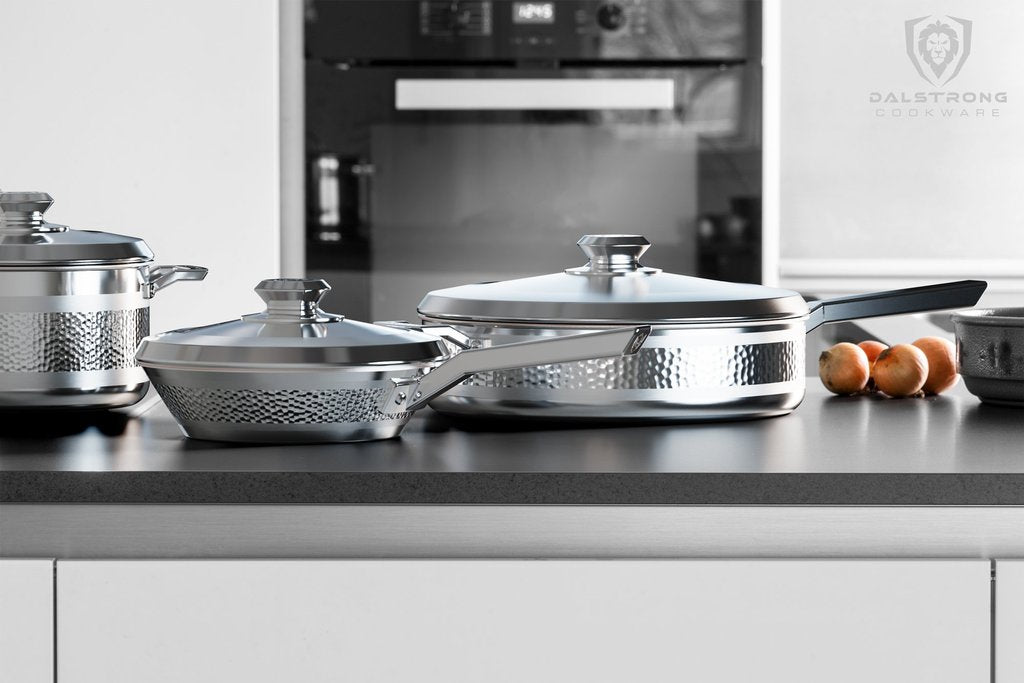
point(522, 620)
point(1009, 655)
point(26, 621)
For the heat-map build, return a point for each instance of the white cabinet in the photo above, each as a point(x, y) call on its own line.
point(26, 621)
point(523, 620)
point(1009, 636)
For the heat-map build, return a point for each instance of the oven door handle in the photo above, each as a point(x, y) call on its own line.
point(328, 190)
point(518, 94)
point(342, 194)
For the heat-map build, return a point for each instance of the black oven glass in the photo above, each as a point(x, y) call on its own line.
point(455, 142)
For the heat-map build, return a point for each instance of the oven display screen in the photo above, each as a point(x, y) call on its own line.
point(533, 12)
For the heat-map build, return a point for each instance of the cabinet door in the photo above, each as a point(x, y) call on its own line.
point(522, 620)
point(1009, 641)
point(26, 621)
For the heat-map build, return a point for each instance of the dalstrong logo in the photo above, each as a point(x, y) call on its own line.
point(938, 46)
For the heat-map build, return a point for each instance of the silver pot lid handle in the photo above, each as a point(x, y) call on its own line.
point(613, 254)
point(293, 300)
point(21, 213)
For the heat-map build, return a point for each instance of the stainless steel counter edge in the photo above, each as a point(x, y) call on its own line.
point(456, 531)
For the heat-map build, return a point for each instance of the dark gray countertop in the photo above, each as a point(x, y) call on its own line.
point(947, 450)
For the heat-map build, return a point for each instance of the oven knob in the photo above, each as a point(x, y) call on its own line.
point(611, 16)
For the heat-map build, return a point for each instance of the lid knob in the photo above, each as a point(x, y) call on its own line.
point(613, 253)
point(294, 299)
point(22, 213)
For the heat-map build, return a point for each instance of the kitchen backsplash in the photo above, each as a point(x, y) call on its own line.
point(899, 156)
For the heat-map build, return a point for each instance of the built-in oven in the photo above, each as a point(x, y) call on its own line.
point(465, 141)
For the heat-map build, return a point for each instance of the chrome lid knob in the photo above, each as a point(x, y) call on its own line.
point(22, 212)
point(294, 299)
point(612, 253)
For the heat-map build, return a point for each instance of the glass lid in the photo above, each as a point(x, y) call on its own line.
point(26, 239)
point(293, 330)
point(612, 288)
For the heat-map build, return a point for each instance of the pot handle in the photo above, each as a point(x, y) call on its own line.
point(414, 393)
point(960, 294)
point(159, 277)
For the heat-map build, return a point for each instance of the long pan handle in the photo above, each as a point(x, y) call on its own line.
point(414, 393)
point(961, 294)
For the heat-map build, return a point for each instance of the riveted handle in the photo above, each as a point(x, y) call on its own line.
point(159, 277)
point(293, 299)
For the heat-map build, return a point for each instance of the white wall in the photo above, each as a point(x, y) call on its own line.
point(154, 119)
point(866, 200)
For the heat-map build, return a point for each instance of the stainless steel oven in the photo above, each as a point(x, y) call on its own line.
point(453, 142)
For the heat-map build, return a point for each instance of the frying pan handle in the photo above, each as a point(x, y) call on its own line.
point(961, 294)
point(458, 340)
point(414, 393)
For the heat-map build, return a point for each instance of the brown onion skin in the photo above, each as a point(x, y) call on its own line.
point(941, 354)
point(844, 369)
point(901, 370)
point(872, 349)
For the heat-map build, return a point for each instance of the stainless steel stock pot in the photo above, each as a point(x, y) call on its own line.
point(294, 374)
point(718, 350)
point(74, 306)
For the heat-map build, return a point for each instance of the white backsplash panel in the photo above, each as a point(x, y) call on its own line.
point(158, 120)
point(888, 171)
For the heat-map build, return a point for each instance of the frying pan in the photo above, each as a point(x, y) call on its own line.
point(294, 374)
point(718, 350)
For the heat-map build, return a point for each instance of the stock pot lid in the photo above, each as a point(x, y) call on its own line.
point(293, 330)
point(26, 239)
point(613, 287)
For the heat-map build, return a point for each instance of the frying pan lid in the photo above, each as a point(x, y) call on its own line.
point(612, 288)
point(292, 331)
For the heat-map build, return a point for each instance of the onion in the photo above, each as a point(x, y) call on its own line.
point(872, 349)
point(901, 370)
point(844, 368)
point(941, 354)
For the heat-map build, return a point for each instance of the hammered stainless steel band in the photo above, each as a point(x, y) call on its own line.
point(661, 368)
point(699, 373)
point(71, 341)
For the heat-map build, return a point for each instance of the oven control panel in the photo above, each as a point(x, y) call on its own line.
point(359, 31)
point(534, 22)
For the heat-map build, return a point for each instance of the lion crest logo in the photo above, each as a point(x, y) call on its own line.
point(938, 46)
